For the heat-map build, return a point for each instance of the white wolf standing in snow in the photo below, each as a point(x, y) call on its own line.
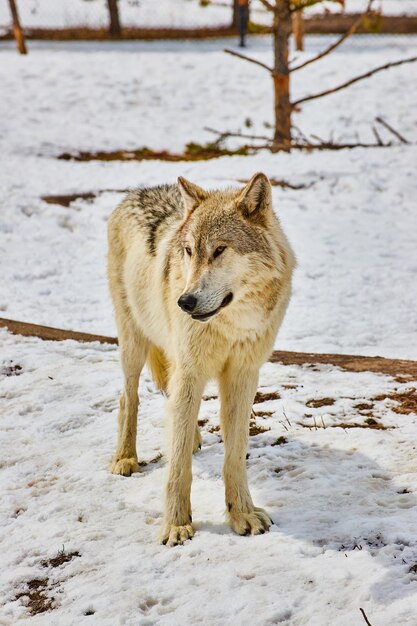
point(200, 282)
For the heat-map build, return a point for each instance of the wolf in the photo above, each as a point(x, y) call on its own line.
point(200, 281)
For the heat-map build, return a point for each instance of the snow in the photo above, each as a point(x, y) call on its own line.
point(343, 502)
point(169, 13)
point(343, 499)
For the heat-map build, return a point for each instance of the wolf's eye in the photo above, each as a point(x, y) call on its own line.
point(188, 251)
point(218, 251)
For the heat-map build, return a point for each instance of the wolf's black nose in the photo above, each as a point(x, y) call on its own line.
point(187, 302)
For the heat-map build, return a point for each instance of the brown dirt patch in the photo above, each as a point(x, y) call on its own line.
point(407, 370)
point(205, 398)
point(192, 152)
point(36, 596)
point(66, 199)
point(262, 413)
point(61, 558)
point(406, 401)
point(266, 396)
point(318, 402)
point(351, 363)
point(202, 422)
point(256, 429)
point(280, 441)
point(364, 406)
point(157, 458)
point(214, 429)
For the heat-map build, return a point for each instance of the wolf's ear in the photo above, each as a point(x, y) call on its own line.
point(191, 194)
point(255, 199)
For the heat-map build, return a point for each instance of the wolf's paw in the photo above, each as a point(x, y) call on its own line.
point(176, 535)
point(197, 440)
point(254, 523)
point(125, 467)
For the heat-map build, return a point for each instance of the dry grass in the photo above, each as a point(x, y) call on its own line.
point(266, 396)
point(256, 429)
point(192, 152)
point(316, 403)
point(36, 596)
point(61, 558)
point(406, 401)
point(66, 199)
point(364, 406)
point(280, 441)
point(156, 459)
point(262, 413)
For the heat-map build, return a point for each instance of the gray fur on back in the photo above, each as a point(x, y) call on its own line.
point(154, 209)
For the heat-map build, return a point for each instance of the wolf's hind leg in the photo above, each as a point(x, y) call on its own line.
point(197, 440)
point(133, 352)
point(237, 391)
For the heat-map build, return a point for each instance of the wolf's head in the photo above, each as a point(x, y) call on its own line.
point(227, 243)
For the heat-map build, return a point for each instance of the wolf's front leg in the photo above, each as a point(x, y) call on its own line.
point(237, 391)
point(183, 404)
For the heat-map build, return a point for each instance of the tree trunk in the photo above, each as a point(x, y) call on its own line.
point(17, 30)
point(235, 15)
point(114, 28)
point(298, 30)
point(282, 29)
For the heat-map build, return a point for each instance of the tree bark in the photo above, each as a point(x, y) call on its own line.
point(282, 28)
point(235, 14)
point(17, 29)
point(114, 27)
point(298, 30)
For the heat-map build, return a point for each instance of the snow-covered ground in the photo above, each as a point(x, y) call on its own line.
point(353, 229)
point(343, 499)
point(174, 13)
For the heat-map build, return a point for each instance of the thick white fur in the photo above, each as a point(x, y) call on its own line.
point(230, 347)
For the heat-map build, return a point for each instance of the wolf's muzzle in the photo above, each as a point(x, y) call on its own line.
point(188, 304)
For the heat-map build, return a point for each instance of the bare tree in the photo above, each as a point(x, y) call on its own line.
point(17, 29)
point(282, 13)
point(114, 28)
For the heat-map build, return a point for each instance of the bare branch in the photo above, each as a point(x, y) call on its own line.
point(267, 5)
point(377, 136)
point(337, 43)
point(391, 129)
point(299, 6)
point(226, 133)
point(355, 80)
point(249, 59)
point(305, 146)
point(365, 617)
